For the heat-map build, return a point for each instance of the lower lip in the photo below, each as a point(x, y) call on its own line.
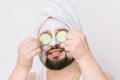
point(55, 54)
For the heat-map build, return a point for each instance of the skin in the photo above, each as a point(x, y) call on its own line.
point(76, 44)
point(26, 51)
point(56, 26)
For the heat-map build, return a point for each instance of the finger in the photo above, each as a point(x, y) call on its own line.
point(69, 36)
point(35, 52)
point(28, 40)
point(38, 41)
point(32, 40)
point(30, 46)
point(74, 31)
point(68, 48)
point(68, 42)
point(77, 33)
point(34, 46)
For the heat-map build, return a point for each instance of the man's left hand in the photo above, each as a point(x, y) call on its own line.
point(76, 44)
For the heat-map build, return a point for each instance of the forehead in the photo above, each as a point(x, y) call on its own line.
point(52, 25)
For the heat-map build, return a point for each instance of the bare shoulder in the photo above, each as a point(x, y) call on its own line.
point(109, 76)
point(31, 76)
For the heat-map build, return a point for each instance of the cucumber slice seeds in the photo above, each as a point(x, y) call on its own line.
point(60, 36)
point(45, 38)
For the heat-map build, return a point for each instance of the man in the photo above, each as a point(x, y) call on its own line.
point(71, 60)
point(61, 46)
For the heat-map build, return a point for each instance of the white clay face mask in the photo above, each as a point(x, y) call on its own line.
point(49, 34)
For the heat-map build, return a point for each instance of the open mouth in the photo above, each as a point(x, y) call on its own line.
point(55, 53)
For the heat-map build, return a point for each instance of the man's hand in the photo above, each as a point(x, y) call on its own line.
point(76, 44)
point(26, 51)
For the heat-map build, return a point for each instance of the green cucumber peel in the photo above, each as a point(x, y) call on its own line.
point(45, 38)
point(61, 35)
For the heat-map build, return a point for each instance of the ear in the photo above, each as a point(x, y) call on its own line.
point(109, 76)
point(31, 76)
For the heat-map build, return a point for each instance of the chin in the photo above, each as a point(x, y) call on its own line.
point(58, 63)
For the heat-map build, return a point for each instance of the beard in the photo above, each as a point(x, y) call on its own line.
point(57, 63)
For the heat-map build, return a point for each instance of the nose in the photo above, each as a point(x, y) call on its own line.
point(53, 41)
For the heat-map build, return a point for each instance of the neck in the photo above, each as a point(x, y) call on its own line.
point(72, 72)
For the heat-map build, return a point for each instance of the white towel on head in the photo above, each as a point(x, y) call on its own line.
point(61, 10)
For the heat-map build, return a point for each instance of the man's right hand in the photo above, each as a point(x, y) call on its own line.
point(27, 50)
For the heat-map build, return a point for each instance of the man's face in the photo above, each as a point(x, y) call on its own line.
point(53, 55)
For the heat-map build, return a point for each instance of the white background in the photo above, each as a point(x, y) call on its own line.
point(100, 20)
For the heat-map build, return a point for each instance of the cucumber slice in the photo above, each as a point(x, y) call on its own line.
point(45, 38)
point(60, 36)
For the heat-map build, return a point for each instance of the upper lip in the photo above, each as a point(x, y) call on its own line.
point(56, 50)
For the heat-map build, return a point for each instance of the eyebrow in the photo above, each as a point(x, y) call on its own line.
point(62, 29)
point(59, 29)
point(46, 32)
